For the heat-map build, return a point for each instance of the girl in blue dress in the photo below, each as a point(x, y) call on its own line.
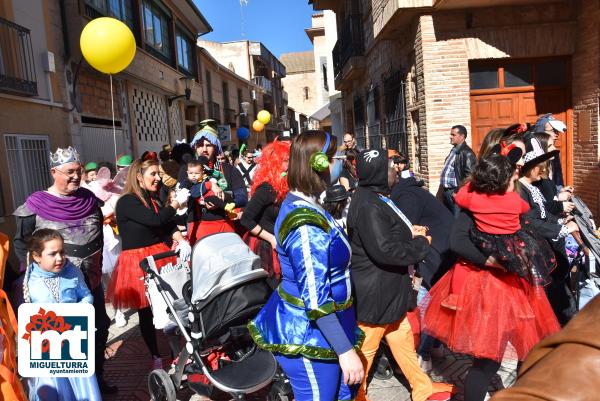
point(309, 322)
point(51, 278)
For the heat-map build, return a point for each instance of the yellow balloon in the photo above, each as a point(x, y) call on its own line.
point(264, 116)
point(258, 126)
point(107, 44)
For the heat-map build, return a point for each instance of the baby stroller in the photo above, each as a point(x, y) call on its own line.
point(584, 259)
point(227, 289)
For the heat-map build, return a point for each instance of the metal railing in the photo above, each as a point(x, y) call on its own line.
point(214, 111)
point(359, 135)
point(17, 66)
point(349, 44)
point(229, 117)
point(374, 137)
point(263, 83)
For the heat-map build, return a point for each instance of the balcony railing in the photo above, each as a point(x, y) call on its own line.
point(17, 67)
point(350, 42)
point(214, 111)
point(263, 83)
point(229, 117)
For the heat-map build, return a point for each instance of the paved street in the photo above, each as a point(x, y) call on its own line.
point(129, 364)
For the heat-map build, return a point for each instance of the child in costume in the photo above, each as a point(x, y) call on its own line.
point(51, 278)
point(497, 209)
point(108, 191)
point(476, 308)
point(203, 189)
point(335, 201)
point(91, 172)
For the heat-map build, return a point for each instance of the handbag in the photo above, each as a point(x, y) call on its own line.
point(171, 278)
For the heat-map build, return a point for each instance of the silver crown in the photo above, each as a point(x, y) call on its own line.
point(64, 156)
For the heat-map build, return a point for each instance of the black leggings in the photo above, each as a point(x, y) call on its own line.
point(479, 377)
point(148, 331)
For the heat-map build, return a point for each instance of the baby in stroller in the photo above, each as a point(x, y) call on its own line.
point(227, 289)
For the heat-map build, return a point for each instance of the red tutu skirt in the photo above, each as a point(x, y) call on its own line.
point(493, 309)
point(127, 288)
point(268, 257)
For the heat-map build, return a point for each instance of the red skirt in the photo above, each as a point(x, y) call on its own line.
point(127, 288)
point(268, 257)
point(200, 229)
point(492, 309)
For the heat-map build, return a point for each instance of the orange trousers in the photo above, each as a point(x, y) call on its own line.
point(400, 338)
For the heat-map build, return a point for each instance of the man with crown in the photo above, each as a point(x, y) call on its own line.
point(74, 212)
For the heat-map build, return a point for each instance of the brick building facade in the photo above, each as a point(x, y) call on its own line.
point(409, 70)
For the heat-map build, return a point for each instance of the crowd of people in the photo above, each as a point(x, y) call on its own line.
point(357, 248)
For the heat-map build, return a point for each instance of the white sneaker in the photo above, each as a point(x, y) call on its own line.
point(426, 365)
point(157, 363)
point(120, 319)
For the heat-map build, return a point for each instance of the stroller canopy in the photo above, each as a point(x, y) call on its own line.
point(220, 261)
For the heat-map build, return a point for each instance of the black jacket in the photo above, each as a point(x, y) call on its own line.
point(464, 163)
point(382, 247)
point(549, 190)
point(422, 208)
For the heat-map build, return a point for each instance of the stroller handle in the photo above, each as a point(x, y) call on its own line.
point(144, 262)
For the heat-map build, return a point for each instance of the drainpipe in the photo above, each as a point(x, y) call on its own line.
point(65, 29)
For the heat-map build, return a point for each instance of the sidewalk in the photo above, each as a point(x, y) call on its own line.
point(128, 364)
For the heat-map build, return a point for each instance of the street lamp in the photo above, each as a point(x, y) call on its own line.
point(189, 82)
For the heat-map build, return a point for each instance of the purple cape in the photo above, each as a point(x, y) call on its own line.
point(81, 204)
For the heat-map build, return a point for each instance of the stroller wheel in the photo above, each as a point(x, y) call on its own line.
point(161, 386)
point(278, 393)
point(383, 369)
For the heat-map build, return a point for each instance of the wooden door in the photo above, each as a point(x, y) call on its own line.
point(498, 102)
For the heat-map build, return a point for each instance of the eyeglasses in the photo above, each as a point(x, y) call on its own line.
point(71, 172)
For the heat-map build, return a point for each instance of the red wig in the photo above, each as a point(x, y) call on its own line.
point(272, 163)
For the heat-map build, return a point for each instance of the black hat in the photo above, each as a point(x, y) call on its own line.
point(336, 193)
point(535, 155)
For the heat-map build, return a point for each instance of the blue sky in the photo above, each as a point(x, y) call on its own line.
point(279, 24)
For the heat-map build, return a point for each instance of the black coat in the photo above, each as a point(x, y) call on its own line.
point(464, 163)
point(422, 208)
point(382, 248)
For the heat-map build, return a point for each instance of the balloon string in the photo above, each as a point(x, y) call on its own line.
point(112, 110)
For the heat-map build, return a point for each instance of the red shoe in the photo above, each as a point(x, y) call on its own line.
point(441, 396)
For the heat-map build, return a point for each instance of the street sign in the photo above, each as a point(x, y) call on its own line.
point(224, 132)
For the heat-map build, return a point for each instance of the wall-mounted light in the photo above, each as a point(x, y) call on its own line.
point(244, 107)
point(189, 82)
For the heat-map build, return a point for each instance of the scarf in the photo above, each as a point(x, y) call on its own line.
point(78, 206)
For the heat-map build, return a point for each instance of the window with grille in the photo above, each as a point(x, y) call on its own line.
point(395, 113)
point(28, 165)
point(359, 122)
point(373, 118)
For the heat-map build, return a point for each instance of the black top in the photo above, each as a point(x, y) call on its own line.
point(382, 248)
point(460, 240)
point(549, 190)
point(140, 225)
point(352, 180)
point(261, 209)
point(422, 208)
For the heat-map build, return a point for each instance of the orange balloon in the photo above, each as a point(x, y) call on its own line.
point(258, 126)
